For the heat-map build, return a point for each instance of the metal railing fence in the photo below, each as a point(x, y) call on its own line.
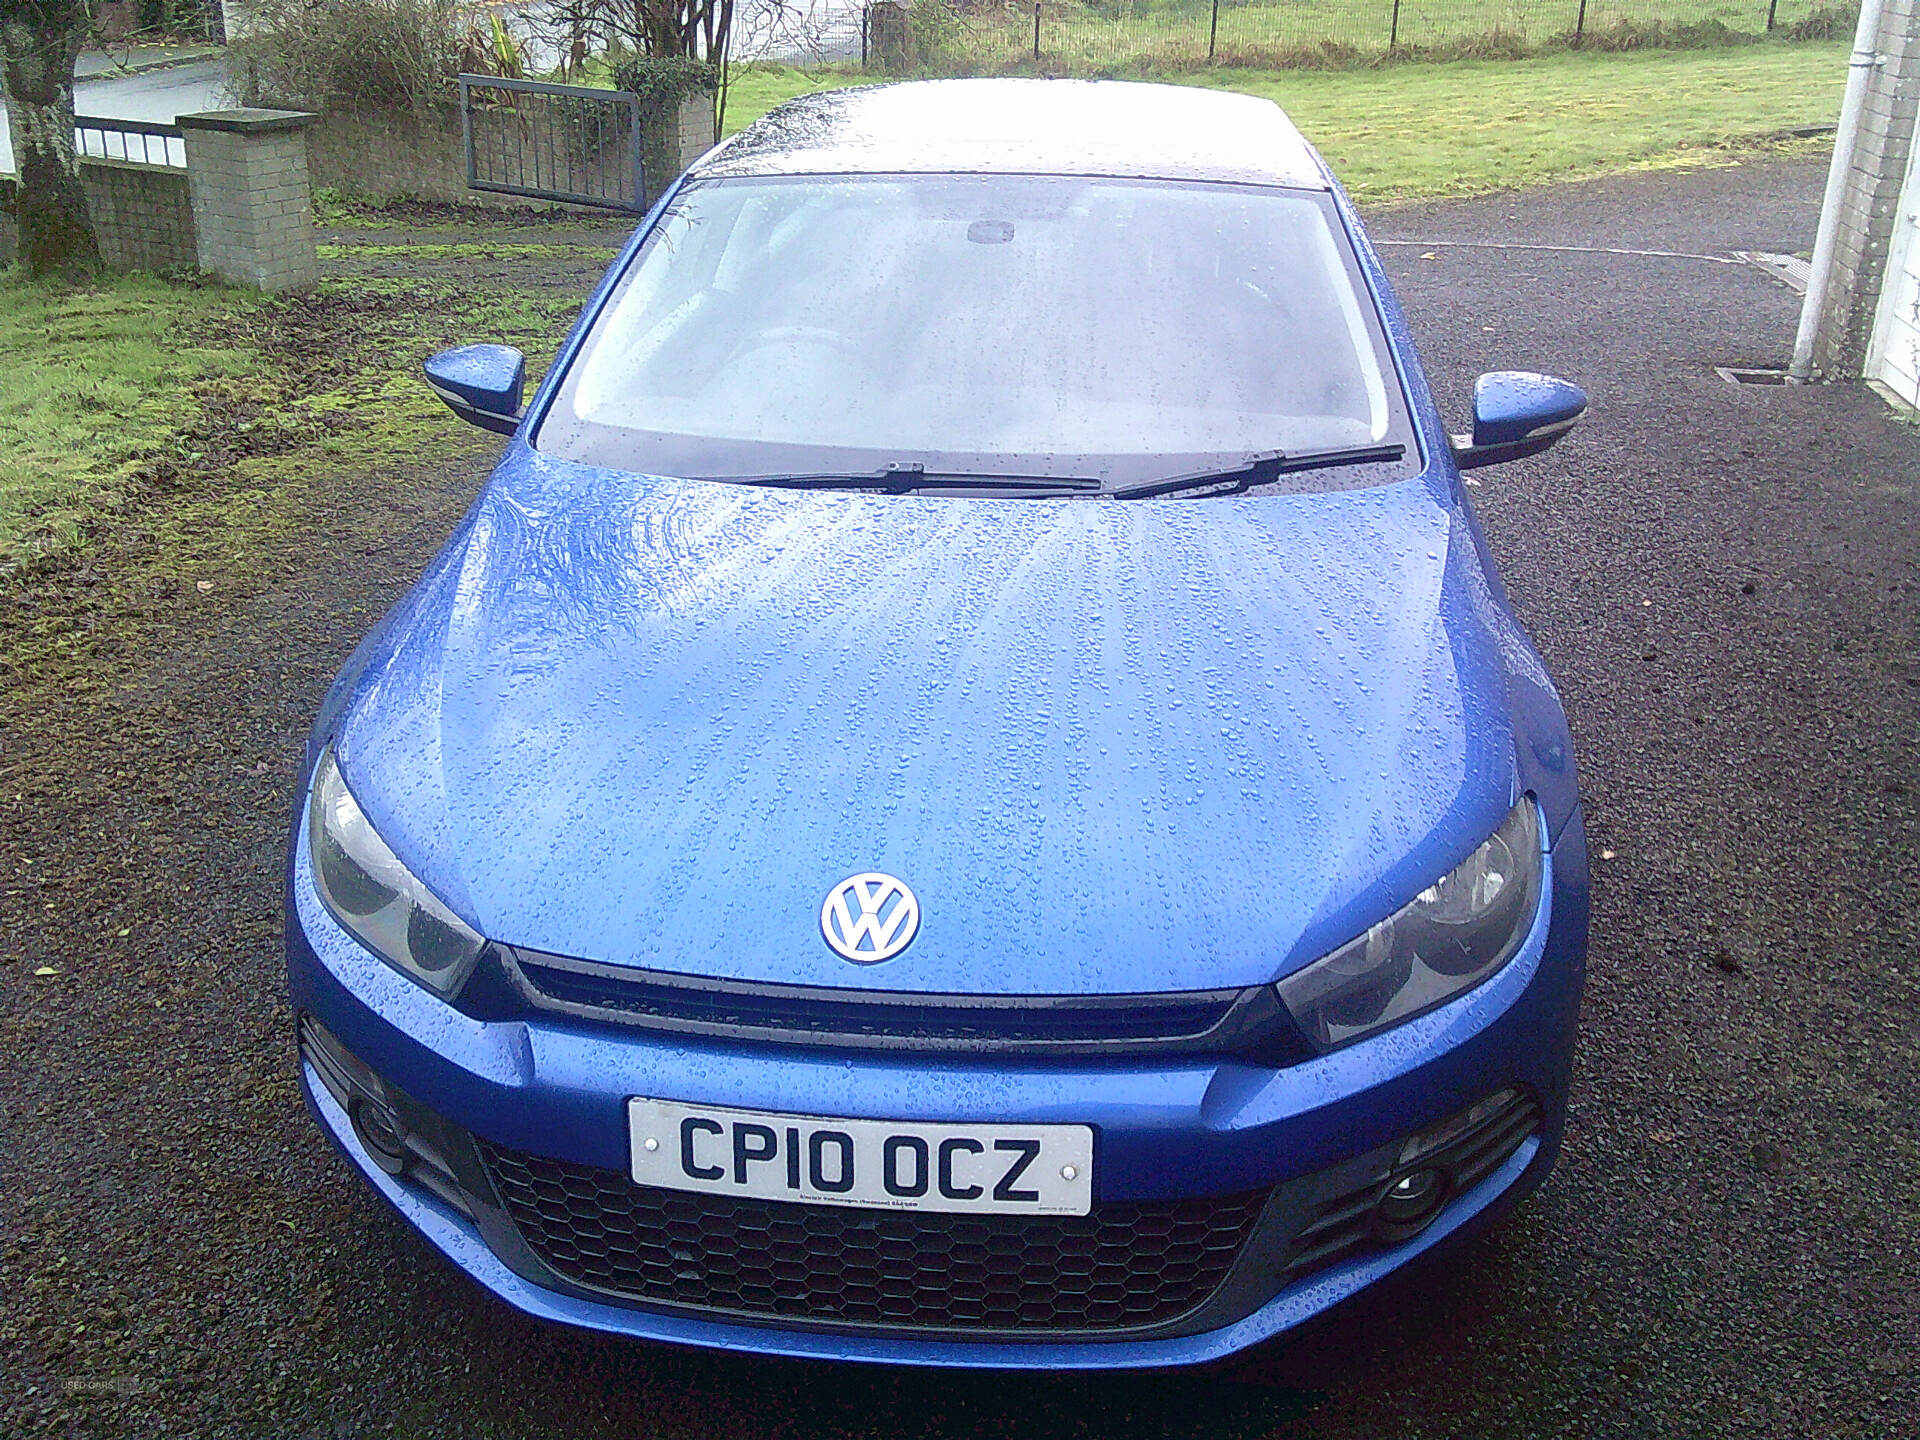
point(983, 36)
point(138, 142)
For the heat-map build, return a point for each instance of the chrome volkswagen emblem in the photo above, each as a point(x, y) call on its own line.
point(869, 918)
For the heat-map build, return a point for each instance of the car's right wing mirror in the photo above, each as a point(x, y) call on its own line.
point(482, 384)
point(1517, 413)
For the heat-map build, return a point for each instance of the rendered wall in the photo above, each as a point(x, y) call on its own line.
point(387, 155)
point(1876, 169)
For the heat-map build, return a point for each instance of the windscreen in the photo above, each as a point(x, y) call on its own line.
point(979, 324)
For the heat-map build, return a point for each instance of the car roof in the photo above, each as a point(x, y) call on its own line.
point(1045, 127)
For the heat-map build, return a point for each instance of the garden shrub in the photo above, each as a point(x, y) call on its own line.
point(361, 54)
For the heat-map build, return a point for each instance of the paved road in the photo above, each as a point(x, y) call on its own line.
point(155, 95)
point(1723, 581)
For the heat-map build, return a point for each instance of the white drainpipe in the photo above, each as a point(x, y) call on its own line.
point(1820, 278)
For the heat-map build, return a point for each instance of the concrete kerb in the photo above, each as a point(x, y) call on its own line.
point(100, 64)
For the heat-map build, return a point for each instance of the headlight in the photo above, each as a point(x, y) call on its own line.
point(1443, 942)
point(375, 897)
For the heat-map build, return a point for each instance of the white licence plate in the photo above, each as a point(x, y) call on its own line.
point(879, 1164)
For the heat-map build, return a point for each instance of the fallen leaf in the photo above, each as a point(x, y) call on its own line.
point(124, 931)
point(1429, 256)
point(46, 970)
point(203, 585)
point(1606, 854)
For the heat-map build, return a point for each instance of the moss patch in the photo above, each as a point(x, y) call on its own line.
point(469, 250)
point(308, 431)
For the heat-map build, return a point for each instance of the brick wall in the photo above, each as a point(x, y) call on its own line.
point(396, 155)
point(1876, 169)
point(141, 216)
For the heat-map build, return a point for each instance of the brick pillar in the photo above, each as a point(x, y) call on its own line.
point(697, 134)
point(672, 136)
point(1875, 171)
point(247, 171)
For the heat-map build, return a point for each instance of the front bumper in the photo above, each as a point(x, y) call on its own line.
point(1168, 1131)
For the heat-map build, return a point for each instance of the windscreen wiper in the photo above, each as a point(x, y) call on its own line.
point(1258, 470)
point(899, 479)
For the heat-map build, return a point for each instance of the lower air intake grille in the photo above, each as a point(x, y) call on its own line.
point(1125, 1266)
point(1342, 1227)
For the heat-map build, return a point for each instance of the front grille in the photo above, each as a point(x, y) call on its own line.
point(1243, 1022)
point(1126, 1266)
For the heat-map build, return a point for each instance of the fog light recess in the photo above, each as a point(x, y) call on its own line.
point(381, 1132)
point(1408, 1203)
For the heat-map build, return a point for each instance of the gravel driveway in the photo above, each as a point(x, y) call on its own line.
point(1723, 581)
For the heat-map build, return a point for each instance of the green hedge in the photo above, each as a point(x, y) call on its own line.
point(663, 81)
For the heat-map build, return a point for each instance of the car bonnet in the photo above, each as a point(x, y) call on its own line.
point(1111, 746)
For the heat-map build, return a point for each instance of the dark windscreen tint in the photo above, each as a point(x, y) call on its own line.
point(990, 324)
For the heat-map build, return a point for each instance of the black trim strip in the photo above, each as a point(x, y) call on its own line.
point(1248, 1022)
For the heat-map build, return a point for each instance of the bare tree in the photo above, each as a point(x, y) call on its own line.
point(665, 29)
point(699, 29)
point(39, 42)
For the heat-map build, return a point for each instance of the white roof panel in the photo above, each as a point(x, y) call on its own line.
point(1046, 127)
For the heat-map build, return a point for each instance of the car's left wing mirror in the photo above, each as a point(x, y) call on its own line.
point(482, 384)
point(1517, 413)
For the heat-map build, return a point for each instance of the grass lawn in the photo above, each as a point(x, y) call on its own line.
point(216, 400)
point(1120, 36)
point(1480, 125)
point(1467, 127)
point(97, 389)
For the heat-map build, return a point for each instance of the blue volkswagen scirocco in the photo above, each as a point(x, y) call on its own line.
point(967, 793)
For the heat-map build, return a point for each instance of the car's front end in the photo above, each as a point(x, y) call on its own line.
point(949, 918)
point(1234, 1197)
